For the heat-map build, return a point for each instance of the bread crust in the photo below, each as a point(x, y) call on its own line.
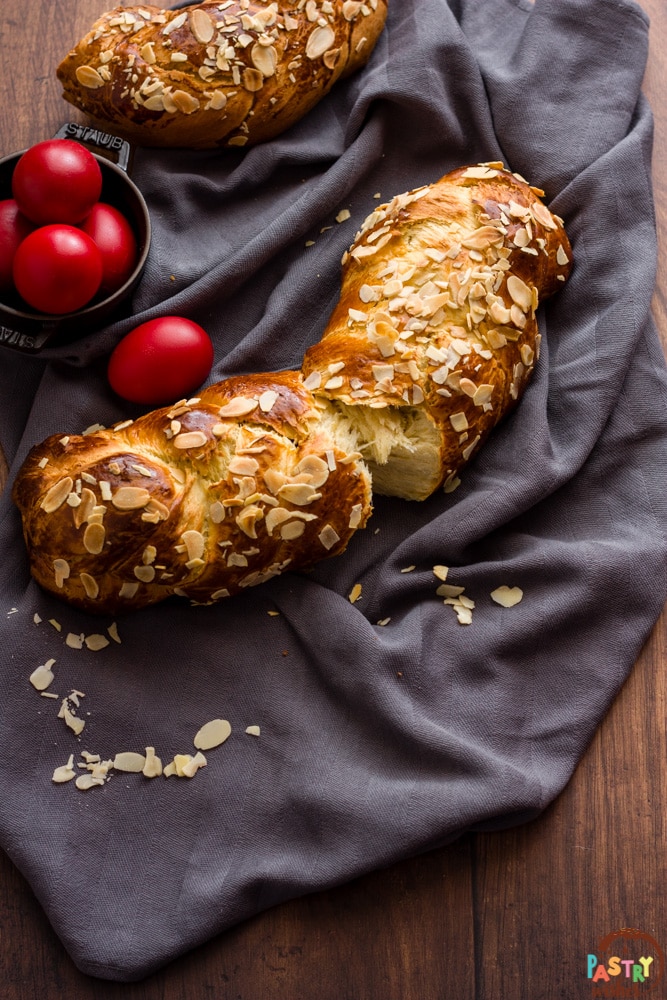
point(218, 73)
point(202, 499)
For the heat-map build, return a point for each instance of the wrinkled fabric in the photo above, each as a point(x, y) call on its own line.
point(377, 741)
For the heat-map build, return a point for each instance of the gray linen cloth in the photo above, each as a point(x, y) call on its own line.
point(376, 742)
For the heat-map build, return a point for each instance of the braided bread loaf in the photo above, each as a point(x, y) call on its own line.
point(435, 334)
point(432, 343)
point(218, 73)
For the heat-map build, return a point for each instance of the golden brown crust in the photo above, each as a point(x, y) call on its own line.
point(219, 73)
point(437, 310)
point(202, 499)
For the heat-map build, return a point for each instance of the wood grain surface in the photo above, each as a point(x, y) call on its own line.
point(502, 916)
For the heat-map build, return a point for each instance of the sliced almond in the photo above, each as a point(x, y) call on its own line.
point(57, 495)
point(130, 498)
point(89, 77)
point(129, 761)
point(212, 734)
point(201, 25)
point(190, 439)
point(320, 40)
point(42, 676)
point(507, 597)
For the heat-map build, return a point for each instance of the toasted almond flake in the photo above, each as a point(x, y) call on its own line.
point(90, 585)
point(561, 257)
point(449, 590)
point(61, 571)
point(483, 395)
point(146, 574)
point(130, 498)
point(459, 421)
point(57, 495)
point(238, 406)
point(74, 640)
point(520, 292)
point(128, 590)
point(243, 465)
point(201, 25)
point(355, 593)
point(89, 77)
point(300, 494)
point(441, 572)
point(57, 626)
point(113, 632)
point(129, 761)
point(507, 597)
point(267, 400)
point(212, 734)
point(343, 215)
point(189, 439)
point(543, 215)
point(292, 530)
point(328, 537)
point(264, 58)
point(320, 40)
point(185, 103)
point(253, 730)
point(316, 468)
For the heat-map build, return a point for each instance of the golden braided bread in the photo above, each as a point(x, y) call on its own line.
point(431, 344)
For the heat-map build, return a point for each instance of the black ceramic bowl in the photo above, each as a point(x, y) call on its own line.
point(30, 331)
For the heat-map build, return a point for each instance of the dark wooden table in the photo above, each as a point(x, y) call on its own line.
point(503, 916)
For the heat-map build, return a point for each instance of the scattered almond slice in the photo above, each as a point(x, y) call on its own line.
point(441, 572)
point(184, 765)
point(189, 769)
point(95, 642)
point(449, 590)
point(65, 772)
point(72, 721)
point(87, 780)
point(212, 734)
point(153, 765)
point(42, 677)
point(129, 761)
point(253, 730)
point(355, 593)
point(507, 597)
point(113, 632)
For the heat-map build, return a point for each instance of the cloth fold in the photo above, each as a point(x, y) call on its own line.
point(376, 741)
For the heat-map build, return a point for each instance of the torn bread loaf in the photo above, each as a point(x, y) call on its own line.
point(218, 73)
point(202, 499)
point(435, 334)
point(432, 343)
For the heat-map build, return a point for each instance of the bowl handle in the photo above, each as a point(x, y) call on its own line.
point(105, 143)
